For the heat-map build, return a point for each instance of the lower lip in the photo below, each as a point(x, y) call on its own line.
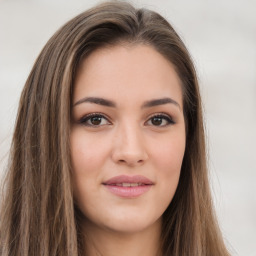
point(128, 192)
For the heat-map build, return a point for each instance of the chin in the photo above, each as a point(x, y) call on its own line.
point(123, 219)
point(131, 224)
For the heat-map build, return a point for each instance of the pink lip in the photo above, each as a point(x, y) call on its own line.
point(115, 187)
point(128, 179)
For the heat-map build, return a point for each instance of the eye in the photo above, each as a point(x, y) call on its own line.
point(160, 120)
point(94, 120)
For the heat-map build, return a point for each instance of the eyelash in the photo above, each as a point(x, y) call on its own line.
point(84, 120)
point(162, 116)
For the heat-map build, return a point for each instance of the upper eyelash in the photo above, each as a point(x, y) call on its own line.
point(163, 115)
point(86, 117)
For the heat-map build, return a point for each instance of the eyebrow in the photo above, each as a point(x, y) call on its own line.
point(157, 102)
point(109, 103)
point(95, 100)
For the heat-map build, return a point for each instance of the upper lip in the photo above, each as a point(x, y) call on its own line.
point(128, 179)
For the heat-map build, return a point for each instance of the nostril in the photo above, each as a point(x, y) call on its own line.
point(131, 161)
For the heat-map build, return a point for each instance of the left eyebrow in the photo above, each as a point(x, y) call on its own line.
point(96, 100)
point(157, 102)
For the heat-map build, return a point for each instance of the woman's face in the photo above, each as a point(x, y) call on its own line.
point(127, 137)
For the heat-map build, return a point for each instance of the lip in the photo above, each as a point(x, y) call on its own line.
point(128, 179)
point(114, 185)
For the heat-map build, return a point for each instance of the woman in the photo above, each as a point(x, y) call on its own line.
point(108, 155)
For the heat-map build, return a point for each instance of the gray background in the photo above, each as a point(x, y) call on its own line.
point(221, 36)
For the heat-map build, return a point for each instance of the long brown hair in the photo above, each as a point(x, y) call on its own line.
point(38, 216)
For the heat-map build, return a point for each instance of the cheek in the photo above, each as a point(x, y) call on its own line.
point(168, 161)
point(169, 153)
point(86, 154)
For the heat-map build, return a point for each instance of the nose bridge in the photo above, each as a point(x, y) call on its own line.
point(130, 136)
point(129, 145)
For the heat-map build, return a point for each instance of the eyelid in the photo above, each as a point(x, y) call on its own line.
point(165, 116)
point(85, 118)
point(88, 116)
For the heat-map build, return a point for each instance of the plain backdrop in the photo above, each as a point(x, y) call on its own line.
point(221, 36)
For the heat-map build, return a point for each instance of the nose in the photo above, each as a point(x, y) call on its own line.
point(129, 146)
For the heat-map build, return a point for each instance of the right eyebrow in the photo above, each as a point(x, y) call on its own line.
point(95, 100)
point(162, 101)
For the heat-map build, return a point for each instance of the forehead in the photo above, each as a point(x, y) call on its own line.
point(130, 71)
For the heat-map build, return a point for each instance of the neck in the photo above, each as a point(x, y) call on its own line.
point(105, 242)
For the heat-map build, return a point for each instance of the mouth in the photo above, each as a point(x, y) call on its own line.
point(128, 186)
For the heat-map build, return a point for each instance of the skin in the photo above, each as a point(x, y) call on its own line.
point(126, 139)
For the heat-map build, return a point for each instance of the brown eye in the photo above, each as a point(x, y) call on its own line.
point(94, 120)
point(157, 120)
point(160, 120)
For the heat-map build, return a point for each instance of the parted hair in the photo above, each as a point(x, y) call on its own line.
point(38, 215)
